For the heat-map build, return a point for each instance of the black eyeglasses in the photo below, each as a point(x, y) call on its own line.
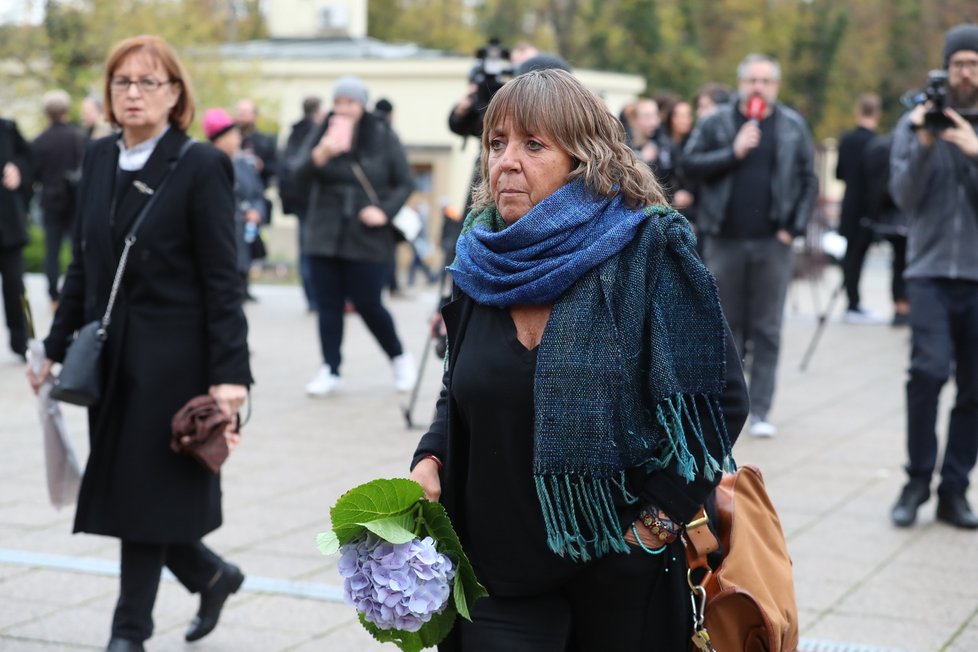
point(146, 84)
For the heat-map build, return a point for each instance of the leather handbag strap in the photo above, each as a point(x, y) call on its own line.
point(131, 239)
point(699, 541)
point(365, 183)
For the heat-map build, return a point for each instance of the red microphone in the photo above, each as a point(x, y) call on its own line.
point(756, 108)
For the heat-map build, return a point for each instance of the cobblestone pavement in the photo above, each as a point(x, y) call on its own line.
point(833, 471)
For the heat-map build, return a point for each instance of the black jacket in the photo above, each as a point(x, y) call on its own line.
point(294, 195)
point(58, 150)
point(13, 203)
point(850, 168)
point(709, 158)
point(177, 328)
point(333, 228)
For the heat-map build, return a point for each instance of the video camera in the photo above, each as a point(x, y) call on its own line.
point(492, 69)
point(936, 93)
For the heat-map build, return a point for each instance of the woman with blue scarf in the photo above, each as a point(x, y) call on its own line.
point(592, 390)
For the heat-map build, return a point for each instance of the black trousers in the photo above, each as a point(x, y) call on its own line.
point(857, 247)
point(194, 565)
point(944, 324)
point(619, 603)
point(56, 229)
point(12, 273)
point(335, 280)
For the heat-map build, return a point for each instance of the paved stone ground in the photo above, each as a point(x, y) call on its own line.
point(833, 472)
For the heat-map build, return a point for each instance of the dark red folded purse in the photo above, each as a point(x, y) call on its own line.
point(198, 430)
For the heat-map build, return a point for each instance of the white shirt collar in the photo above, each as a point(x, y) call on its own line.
point(132, 159)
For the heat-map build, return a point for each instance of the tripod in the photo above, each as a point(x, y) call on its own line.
point(407, 410)
point(822, 320)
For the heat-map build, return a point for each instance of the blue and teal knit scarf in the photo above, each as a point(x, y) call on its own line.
point(631, 364)
point(543, 253)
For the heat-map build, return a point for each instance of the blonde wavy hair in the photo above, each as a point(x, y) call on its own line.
point(555, 104)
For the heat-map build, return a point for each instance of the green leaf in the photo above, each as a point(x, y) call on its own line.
point(327, 543)
point(431, 633)
point(372, 501)
point(407, 641)
point(466, 589)
point(435, 630)
point(396, 529)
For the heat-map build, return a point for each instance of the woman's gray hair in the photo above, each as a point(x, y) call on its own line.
point(555, 104)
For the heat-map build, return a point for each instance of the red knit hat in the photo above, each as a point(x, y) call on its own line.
point(217, 122)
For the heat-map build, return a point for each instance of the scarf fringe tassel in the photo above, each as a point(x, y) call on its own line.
point(579, 511)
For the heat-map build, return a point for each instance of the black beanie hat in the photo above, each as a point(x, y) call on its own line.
point(542, 62)
point(962, 37)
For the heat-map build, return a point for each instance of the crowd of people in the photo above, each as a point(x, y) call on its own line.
point(669, 229)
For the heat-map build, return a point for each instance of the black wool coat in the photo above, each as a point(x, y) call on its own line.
point(177, 328)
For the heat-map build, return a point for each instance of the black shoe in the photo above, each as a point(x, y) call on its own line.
point(124, 645)
point(212, 600)
point(953, 509)
point(915, 493)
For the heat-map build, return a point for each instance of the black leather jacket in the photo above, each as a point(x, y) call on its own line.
point(709, 158)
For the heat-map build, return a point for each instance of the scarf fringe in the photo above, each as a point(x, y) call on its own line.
point(567, 500)
point(579, 511)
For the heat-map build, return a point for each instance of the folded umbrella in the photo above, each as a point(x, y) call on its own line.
point(63, 470)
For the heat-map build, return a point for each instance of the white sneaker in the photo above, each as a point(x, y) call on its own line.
point(405, 373)
point(323, 383)
point(762, 429)
point(862, 315)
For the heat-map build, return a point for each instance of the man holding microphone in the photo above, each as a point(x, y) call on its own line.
point(754, 159)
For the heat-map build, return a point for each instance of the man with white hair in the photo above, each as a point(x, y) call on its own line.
point(58, 155)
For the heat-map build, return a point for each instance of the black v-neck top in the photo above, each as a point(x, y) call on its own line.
point(492, 385)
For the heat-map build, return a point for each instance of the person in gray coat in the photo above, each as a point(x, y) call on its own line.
point(360, 179)
point(934, 179)
point(755, 162)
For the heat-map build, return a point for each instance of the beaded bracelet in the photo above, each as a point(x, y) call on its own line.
point(658, 551)
point(663, 528)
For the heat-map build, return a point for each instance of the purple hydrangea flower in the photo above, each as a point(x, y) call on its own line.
point(396, 586)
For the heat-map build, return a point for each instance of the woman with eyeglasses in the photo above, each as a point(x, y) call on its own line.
point(177, 331)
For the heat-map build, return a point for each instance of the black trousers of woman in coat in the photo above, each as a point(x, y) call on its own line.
point(194, 565)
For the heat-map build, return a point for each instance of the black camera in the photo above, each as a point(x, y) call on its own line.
point(936, 92)
point(492, 69)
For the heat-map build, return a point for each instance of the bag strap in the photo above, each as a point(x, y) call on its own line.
point(699, 542)
point(365, 183)
point(131, 240)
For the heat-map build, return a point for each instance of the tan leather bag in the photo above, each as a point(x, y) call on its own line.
point(750, 596)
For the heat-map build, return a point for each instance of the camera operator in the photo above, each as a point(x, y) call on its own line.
point(934, 179)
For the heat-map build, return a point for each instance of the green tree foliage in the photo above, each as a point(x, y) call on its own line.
point(69, 48)
point(830, 50)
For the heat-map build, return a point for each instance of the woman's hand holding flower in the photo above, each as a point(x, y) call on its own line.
point(425, 473)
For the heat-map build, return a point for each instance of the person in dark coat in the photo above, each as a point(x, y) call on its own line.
point(16, 161)
point(249, 192)
point(583, 419)
point(360, 178)
point(58, 153)
point(177, 331)
point(261, 147)
point(295, 195)
point(853, 223)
